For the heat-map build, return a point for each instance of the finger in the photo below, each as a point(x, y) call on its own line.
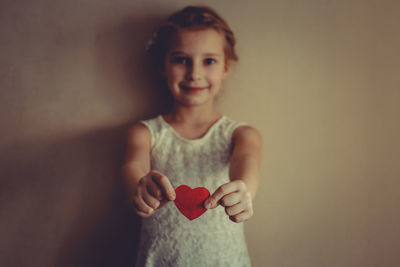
point(235, 209)
point(154, 190)
point(241, 217)
point(141, 206)
point(212, 201)
point(231, 199)
point(244, 205)
point(164, 184)
point(150, 200)
point(141, 213)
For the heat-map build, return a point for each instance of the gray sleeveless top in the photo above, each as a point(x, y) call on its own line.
point(167, 237)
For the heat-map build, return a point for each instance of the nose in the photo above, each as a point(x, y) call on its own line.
point(195, 71)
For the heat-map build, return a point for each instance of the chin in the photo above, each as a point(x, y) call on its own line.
point(194, 102)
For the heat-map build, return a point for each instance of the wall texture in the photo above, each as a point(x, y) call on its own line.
point(319, 78)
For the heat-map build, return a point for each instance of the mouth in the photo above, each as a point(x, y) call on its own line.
point(192, 89)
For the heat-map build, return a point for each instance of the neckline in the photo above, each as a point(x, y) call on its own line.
point(210, 129)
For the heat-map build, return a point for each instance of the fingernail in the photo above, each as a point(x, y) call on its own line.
point(207, 205)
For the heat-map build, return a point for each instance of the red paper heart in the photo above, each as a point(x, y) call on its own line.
point(190, 201)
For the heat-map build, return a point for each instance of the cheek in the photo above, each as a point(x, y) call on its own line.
point(216, 76)
point(218, 72)
point(172, 75)
point(176, 73)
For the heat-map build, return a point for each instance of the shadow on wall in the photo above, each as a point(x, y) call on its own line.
point(121, 59)
point(63, 203)
point(62, 196)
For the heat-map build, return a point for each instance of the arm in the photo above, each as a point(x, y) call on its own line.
point(237, 195)
point(147, 190)
point(246, 157)
point(137, 157)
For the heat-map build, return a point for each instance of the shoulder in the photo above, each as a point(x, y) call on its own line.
point(247, 134)
point(138, 135)
point(247, 140)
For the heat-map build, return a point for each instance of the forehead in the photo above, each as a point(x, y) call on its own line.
point(190, 41)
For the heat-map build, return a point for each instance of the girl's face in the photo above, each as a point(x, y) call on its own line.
point(195, 66)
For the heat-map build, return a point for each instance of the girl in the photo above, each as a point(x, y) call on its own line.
point(192, 144)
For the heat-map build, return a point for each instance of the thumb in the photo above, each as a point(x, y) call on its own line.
point(210, 203)
point(213, 200)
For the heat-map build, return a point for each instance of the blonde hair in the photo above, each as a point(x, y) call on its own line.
point(193, 18)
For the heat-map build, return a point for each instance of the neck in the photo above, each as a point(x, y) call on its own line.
point(193, 114)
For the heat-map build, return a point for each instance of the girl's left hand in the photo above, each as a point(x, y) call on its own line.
point(236, 199)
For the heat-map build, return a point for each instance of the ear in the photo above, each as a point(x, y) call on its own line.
point(226, 69)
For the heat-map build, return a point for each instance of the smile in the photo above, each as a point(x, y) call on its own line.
point(192, 89)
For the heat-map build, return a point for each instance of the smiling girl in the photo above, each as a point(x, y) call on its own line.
point(195, 145)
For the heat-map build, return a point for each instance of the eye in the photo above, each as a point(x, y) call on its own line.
point(210, 61)
point(179, 60)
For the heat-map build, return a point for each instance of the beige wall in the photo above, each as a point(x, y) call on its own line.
point(318, 78)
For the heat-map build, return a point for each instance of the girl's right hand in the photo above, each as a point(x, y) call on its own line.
point(153, 191)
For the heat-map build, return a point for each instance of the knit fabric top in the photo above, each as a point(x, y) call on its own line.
point(167, 237)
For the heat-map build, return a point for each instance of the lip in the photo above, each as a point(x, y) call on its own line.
point(192, 89)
